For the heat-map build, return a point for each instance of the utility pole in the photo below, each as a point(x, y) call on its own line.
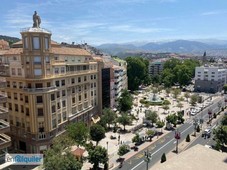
point(147, 157)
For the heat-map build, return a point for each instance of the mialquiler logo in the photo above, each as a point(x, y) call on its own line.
point(24, 159)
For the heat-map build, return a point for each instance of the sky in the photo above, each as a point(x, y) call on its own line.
point(118, 21)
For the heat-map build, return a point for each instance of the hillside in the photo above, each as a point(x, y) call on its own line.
point(9, 39)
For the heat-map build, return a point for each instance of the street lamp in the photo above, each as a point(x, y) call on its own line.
point(147, 157)
point(177, 137)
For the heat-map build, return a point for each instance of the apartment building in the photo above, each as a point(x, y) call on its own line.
point(48, 86)
point(5, 140)
point(209, 79)
point(155, 67)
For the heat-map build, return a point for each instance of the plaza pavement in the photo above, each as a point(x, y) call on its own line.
point(126, 138)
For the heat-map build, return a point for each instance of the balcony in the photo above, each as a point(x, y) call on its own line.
point(3, 84)
point(58, 62)
point(43, 89)
point(3, 97)
point(5, 141)
point(4, 112)
point(4, 126)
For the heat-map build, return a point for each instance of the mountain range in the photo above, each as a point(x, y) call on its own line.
point(213, 47)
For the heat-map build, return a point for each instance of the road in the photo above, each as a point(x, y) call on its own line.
point(168, 143)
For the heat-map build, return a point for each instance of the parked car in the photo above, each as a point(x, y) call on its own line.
point(206, 133)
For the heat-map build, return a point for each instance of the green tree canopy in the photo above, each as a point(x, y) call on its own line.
point(124, 119)
point(78, 132)
point(225, 88)
point(125, 101)
point(123, 149)
point(152, 116)
point(59, 156)
point(172, 118)
point(136, 138)
point(194, 99)
point(108, 116)
point(97, 155)
point(137, 71)
point(97, 133)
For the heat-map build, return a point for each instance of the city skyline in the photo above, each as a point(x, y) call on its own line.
point(120, 21)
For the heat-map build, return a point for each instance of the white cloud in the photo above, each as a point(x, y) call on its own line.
point(213, 13)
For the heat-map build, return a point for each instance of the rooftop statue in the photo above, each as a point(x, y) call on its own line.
point(36, 20)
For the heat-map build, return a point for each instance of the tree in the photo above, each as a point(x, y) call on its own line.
point(225, 88)
point(124, 119)
point(183, 74)
point(188, 138)
point(137, 71)
point(187, 95)
point(123, 149)
point(163, 158)
point(172, 118)
point(108, 116)
point(165, 107)
point(180, 105)
point(150, 133)
point(160, 124)
point(220, 135)
point(97, 155)
point(151, 116)
point(59, 156)
point(224, 120)
point(97, 133)
point(136, 139)
point(167, 77)
point(78, 132)
point(125, 101)
point(176, 93)
point(194, 99)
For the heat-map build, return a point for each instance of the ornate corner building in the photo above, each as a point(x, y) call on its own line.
point(47, 86)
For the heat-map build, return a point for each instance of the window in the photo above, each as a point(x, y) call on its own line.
point(37, 60)
point(94, 84)
point(54, 125)
point(53, 109)
point(47, 59)
point(46, 43)
point(72, 80)
point(91, 77)
point(27, 60)
point(58, 94)
point(62, 69)
point(57, 83)
point(37, 72)
point(13, 71)
point(94, 76)
point(22, 108)
point(36, 44)
point(25, 42)
point(56, 70)
point(16, 107)
point(85, 78)
point(14, 84)
point(85, 95)
point(20, 85)
point(15, 96)
point(52, 97)
point(48, 84)
point(73, 90)
point(26, 99)
point(73, 100)
point(58, 105)
point(79, 79)
point(10, 106)
point(64, 116)
point(8, 84)
point(40, 111)
point(21, 97)
point(19, 71)
point(91, 93)
point(39, 99)
point(63, 82)
point(27, 111)
point(79, 98)
point(38, 85)
point(79, 88)
point(59, 118)
point(63, 92)
point(85, 87)
point(63, 103)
